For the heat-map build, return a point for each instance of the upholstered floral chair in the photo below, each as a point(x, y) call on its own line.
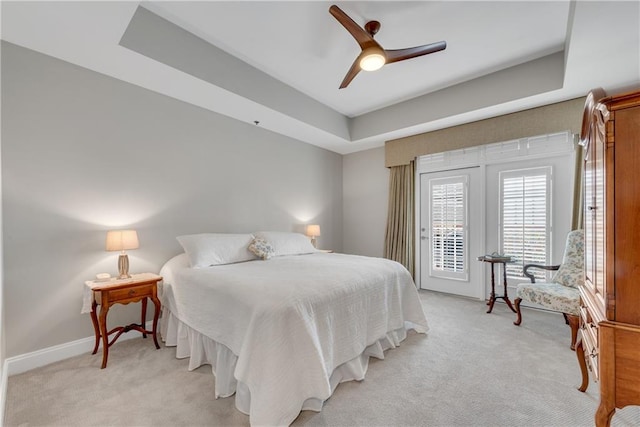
point(561, 293)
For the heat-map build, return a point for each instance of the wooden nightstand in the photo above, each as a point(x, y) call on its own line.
point(123, 291)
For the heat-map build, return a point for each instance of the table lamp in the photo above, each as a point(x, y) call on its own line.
point(313, 231)
point(122, 240)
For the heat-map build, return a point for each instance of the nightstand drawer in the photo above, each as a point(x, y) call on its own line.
point(131, 293)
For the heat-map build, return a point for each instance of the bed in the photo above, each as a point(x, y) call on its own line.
point(282, 324)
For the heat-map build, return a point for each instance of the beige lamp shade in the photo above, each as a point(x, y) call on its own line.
point(313, 230)
point(122, 240)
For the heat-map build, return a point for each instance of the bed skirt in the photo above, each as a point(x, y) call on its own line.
point(202, 350)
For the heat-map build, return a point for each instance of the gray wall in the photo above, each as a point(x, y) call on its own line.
point(365, 200)
point(83, 153)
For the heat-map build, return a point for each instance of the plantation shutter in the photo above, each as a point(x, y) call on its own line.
point(525, 224)
point(448, 198)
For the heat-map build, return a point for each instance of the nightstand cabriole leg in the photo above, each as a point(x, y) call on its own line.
point(104, 309)
point(96, 328)
point(143, 321)
point(156, 315)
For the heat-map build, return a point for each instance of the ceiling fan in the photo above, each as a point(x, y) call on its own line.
point(373, 56)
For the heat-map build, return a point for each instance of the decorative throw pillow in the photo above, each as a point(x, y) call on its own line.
point(287, 243)
point(261, 248)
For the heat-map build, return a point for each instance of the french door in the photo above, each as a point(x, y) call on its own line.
point(451, 221)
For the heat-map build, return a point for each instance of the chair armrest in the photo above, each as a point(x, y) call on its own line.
point(544, 267)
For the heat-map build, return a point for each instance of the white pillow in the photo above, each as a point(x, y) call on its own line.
point(208, 249)
point(285, 243)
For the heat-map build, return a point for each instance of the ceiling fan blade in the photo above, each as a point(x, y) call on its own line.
point(363, 38)
point(353, 71)
point(412, 52)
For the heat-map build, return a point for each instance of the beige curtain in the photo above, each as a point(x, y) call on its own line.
point(400, 234)
point(576, 217)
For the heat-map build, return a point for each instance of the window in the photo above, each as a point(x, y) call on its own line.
point(448, 198)
point(525, 226)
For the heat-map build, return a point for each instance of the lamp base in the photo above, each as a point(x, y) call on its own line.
point(123, 267)
point(314, 242)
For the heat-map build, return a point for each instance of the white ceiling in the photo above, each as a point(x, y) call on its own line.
point(499, 58)
point(302, 45)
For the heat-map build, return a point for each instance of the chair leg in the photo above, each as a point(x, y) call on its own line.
point(574, 324)
point(516, 303)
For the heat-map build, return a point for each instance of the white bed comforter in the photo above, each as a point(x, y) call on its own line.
point(292, 320)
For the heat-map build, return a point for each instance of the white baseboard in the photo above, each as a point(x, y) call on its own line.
point(3, 391)
point(28, 361)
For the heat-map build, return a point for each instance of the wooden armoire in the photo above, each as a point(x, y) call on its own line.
point(610, 298)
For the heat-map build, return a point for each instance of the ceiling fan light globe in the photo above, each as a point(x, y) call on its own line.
point(372, 60)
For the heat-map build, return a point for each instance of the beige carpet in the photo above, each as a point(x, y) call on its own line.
point(473, 369)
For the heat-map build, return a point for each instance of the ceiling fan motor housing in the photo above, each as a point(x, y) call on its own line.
point(372, 27)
